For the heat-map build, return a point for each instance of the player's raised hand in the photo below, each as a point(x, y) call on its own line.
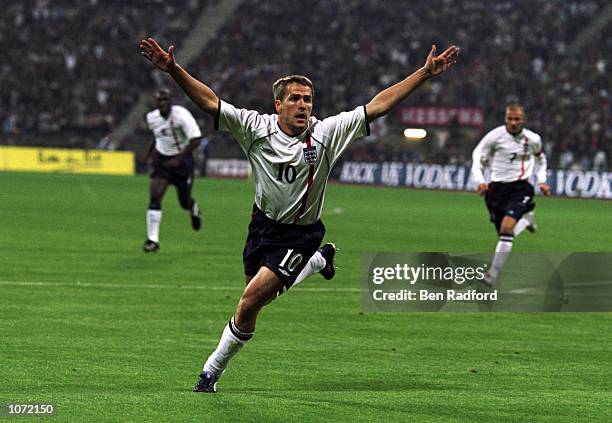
point(435, 65)
point(150, 49)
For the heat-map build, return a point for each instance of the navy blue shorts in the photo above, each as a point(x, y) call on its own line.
point(181, 176)
point(283, 248)
point(512, 199)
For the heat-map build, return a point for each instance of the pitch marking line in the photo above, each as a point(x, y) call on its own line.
point(334, 211)
point(565, 285)
point(520, 291)
point(155, 286)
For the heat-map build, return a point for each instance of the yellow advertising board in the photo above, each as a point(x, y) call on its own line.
point(34, 159)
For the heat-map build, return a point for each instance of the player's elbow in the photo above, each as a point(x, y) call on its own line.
point(375, 109)
point(210, 104)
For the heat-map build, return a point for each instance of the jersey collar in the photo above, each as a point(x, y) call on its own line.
point(165, 117)
point(518, 137)
point(301, 136)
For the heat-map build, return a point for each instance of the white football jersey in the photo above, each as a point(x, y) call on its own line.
point(511, 157)
point(172, 134)
point(291, 172)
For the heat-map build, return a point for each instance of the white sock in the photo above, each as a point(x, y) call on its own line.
point(154, 218)
point(523, 222)
point(230, 343)
point(195, 210)
point(502, 251)
point(315, 264)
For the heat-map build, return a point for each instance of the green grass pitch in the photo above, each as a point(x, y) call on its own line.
point(90, 323)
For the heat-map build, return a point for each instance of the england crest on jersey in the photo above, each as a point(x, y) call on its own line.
point(310, 155)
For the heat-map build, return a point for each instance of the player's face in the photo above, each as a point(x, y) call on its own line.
point(295, 109)
point(515, 119)
point(163, 104)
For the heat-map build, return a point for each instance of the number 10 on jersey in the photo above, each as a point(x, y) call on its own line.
point(286, 171)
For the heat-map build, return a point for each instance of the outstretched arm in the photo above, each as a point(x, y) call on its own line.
point(384, 101)
point(200, 93)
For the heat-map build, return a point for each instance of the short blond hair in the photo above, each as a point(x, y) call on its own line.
point(279, 89)
point(515, 106)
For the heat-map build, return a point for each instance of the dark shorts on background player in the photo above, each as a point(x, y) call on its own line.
point(512, 199)
point(181, 176)
point(285, 249)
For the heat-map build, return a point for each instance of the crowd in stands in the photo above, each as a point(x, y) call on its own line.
point(74, 65)
point(71, 69)
point(511, 50)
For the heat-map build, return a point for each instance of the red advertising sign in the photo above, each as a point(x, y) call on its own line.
point(441, 116)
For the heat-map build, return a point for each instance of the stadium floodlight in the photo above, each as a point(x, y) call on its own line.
point(415, 133)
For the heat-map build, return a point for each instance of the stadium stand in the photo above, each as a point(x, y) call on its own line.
point(510, 49)
point(71, 69)
point(70, 78)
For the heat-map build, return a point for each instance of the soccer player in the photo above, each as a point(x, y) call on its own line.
point(291, 153)
point(513, 153)
point(176, 134)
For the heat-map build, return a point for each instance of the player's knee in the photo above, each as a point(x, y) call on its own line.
point(507, 225)
point(507, 228)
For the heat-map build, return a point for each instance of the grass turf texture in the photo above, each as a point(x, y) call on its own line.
point(91, 324)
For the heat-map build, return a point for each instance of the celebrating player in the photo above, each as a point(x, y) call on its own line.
point(292, 154)
point(513, 153)
point(176, 135)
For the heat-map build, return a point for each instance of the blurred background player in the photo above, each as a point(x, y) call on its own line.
point(292, 154)
point(513, 153)
point(176, 134)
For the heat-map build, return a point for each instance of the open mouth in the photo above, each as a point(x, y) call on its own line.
point(301, 116)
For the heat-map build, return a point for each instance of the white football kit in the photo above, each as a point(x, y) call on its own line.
point(511, 157)
point(291, 172)
point(172, 134)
